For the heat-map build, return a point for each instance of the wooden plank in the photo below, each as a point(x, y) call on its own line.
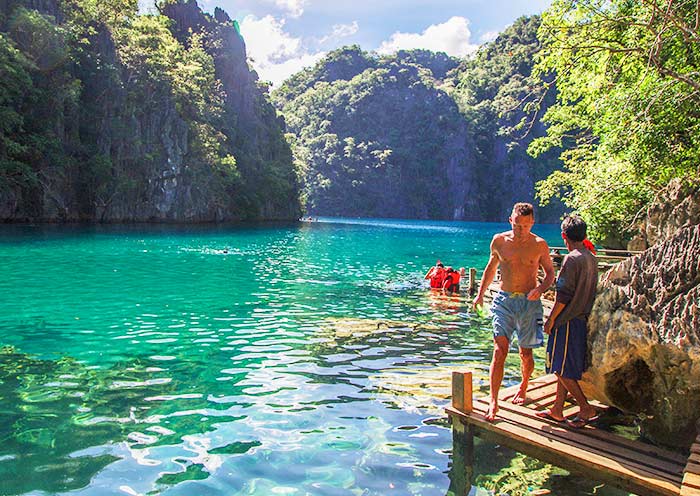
point(695, 448)
point(691, 481)
point(694, 457)
point(628, 475)
point(535, 390)
point(584, 438)
point(664, 470)
point(601, 435)
point(473, 283)
point(462, 391)
point(692, 467)
point(689, 491)
point(543, 396)
point(605, 437)
point(542, 393)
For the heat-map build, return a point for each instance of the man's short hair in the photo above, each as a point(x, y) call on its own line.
point(523, 208)
point(574, 227)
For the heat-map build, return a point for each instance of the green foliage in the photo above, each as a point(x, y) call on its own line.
point(373, 142)
point(37, 90)
point(101, 107)
point(341, 64)
point(85, 14)
point(628, 105)
point(437, 62)
point(502, 100)
point(417, 133)
point(14, 71)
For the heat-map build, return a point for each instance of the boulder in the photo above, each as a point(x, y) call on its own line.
point(644, 339)
point(676, 206)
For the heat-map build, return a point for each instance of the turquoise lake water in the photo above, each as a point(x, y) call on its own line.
point(297, 359)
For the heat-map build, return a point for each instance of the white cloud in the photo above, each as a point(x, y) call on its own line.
point(489, 36)
point(275, 54)
point(266, 41)
point(277, 73)
point(295, 8)
point(451, 37)
point(341, 31)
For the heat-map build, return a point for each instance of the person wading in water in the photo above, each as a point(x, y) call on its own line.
point(516, 308)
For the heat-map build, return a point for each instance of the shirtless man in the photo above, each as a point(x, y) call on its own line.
point(517, 306)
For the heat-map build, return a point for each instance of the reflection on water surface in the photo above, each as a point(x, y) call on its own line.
point(300, 359)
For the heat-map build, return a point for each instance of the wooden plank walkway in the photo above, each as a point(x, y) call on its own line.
point(638, 467)
point(691, 474)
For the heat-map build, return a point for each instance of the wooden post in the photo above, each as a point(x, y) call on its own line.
point(462, 391)
point(462, 470)
point(472, 281)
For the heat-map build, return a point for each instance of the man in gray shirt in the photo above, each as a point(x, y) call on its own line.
point(567, 323)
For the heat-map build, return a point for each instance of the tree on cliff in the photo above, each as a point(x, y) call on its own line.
point(628, 105)
point(373, 136)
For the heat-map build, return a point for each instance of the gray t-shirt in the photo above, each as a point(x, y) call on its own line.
point(576, 286)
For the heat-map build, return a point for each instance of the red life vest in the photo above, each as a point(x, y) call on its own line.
point(451, 279)
point(437, 277)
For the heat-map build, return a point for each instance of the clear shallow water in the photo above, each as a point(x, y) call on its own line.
point(289, 359)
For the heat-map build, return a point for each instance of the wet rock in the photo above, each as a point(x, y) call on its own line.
point(644, 340)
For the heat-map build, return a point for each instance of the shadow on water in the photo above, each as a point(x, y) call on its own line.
point(478, 465)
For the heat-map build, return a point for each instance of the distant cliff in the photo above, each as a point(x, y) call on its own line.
point(115, 116)
point(419, 134)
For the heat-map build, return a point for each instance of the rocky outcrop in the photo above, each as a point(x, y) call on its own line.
point(117, 144)
point(251, 123)
point(676, 206)
point(644, 339)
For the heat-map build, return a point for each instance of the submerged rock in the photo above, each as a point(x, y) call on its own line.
point(644, 340)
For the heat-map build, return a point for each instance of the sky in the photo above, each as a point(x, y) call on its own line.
point(284, 36)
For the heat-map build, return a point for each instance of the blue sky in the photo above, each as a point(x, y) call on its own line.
point(284, 36)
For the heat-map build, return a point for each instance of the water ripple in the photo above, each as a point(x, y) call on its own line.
point(277, 360)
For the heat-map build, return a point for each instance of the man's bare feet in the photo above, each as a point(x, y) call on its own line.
point(519, 398)
point(493, 410)
point(551, 415)
point(587, 413)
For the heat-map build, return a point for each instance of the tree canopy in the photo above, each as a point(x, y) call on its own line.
point(628, 109)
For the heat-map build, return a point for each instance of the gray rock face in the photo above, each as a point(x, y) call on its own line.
point(678, 205)
point(126, 151)
point(644, 339)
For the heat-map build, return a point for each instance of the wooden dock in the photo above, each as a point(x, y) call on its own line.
point(598, 454)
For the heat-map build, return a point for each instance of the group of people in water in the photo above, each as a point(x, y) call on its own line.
point(517, 308)
point(444, 278)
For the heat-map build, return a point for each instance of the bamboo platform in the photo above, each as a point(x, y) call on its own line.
point(595, 453)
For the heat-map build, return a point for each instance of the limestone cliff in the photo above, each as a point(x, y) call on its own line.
point(418, 134)
point(676, 206)
point(117, 129)
point(644, 340)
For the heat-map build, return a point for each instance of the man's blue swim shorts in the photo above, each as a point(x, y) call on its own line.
point(514, 313)
point(566, 350)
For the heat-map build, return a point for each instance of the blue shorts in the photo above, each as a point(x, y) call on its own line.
point(513, 312)
point(566, 350)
